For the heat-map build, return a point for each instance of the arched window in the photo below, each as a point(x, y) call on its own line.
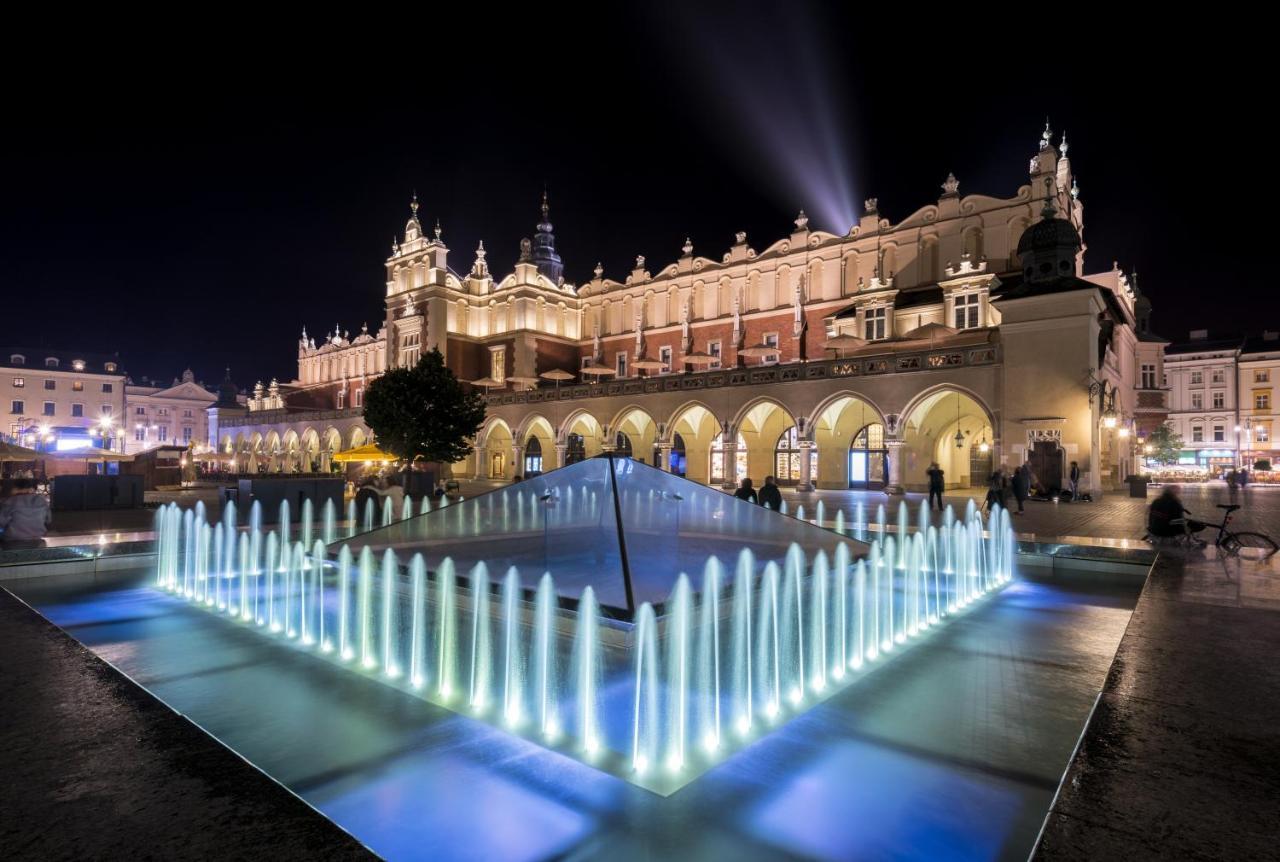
point(868, 458)
point(532, 457)
point(786, 461)
point(575, 449)
point(717, 459)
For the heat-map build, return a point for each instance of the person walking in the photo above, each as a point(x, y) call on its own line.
point(24, 516)
point(770, 495)
point(1074, 478)
point(995, 491)
point(1021, 485)
point(746, 492)
point(937, 482)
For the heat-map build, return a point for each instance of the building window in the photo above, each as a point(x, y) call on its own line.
point(163, 411)
point(717, 459)
point(1197, 400)
point(498, 363)
point(967, 307)
point(713, 349)
point(141, 411)
point(17, 359)
point(78, 364)
point(186, 414)
point(1197, 433)
point(1148, 377)
point(1219, 376)
point(48, 408)
point(111, 367)
point(106, 409)
point(586, 361)
point(786, 459)
point(664, 356)
point(1262, 375)
point(342, 397)
point(77, 409)
point(163, 434)
point(140, 433)
point(770, 340)
point(19, 383)
point(1197, 378)
point(18, 407)
point(50, 385)
point(621, 363)
point(1262, 401)
point(50, 362)
point(77, 386)
point(1219, 433)
point(186, 433)
point(1219, 400)
point(107, 387)
point(359, 397)
point(874, 319)
point(1262, 433)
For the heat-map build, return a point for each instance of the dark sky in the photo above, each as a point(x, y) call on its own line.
point(197, 204)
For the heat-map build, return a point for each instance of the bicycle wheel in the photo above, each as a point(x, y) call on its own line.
point(1254, 546)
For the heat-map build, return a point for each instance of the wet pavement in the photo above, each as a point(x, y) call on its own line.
point(1181, 759)
point(94, 767)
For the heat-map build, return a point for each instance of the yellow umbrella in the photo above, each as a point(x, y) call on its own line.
point(363, 454)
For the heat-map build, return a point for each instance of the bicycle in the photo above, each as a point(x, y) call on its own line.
point(1248, 544)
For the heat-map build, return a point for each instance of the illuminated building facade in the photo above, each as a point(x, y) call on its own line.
point(59, 400)
point(966, 333)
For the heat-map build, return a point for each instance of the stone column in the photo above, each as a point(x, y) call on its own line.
point(664, 457)
point(482, 459)
point(730, 441)
point(895, 448)
point(517, 466)
point(806, 469)
point(561, 449)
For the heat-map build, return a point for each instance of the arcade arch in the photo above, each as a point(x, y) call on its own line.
point(951, 426)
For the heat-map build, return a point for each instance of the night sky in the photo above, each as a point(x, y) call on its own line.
point(196, 205)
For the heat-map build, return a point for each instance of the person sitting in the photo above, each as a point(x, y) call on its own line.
point(770, 495)
point(24, 516)
point(1167, 517)
point(746, 492)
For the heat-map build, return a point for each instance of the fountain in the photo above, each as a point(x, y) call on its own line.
point(656, 699)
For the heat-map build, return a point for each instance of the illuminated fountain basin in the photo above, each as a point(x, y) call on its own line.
point(729, 656)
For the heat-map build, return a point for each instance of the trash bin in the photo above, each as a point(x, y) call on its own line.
point(1138, 486)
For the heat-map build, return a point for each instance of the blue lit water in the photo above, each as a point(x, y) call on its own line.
point(954, 750)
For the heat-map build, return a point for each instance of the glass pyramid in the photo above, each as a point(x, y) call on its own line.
point(619, 525)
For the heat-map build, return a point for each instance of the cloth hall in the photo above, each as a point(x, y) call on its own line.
point(967, 333)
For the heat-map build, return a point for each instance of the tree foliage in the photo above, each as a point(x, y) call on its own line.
point(423, 412)
point(1166, 444)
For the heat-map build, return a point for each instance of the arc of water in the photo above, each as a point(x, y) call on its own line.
point(644, 722)
point(478, 696)
point(390, 606)
point(417, 634)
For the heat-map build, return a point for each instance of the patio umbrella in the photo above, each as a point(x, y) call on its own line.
point(487, 383)
point(761, 350)
point(363, 454)
point(557, 375)
point(701, 358)
point(11, 452)
point(531, 382)
point(845, 342)
point(91, 453)
point(649, 364)
point(599, 370)
point(931, 332)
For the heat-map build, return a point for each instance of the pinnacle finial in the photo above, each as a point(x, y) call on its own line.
point(437, 230)
point(546, 207)
point(413, 204)
point(1047, 136)
point(802, 221)
point(599, 270)
point(687, 248)
point(1062, 147)
point(1075, 189)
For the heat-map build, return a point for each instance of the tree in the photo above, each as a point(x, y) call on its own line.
point(423, 412)
point(1166, 445)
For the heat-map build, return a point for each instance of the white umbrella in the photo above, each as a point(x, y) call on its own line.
point(759, 350)
point(701, 359)
point(599, 370)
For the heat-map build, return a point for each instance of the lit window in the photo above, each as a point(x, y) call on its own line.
point(717, 459)
point(110, 366)
point(874, 319)
point(19, 383)
point(713, 349)
point(186, 433)
point(77, 386)
point(1262, 433)
point(967, 308)
point(786, 468)
point(359, 397)
point(1148, 377)
point(1219, 433)
point(140, 433)
point(1262, 376)
point(48, 408)
point(770, 340)
point(1197, 400)
point(78, 364)
point(164, 433)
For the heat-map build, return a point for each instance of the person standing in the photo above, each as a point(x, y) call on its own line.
point(770, 495)
point(1074, 478)
point(746, 492)
point(937, 482)
point(995, 490)
point(1021, 485)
